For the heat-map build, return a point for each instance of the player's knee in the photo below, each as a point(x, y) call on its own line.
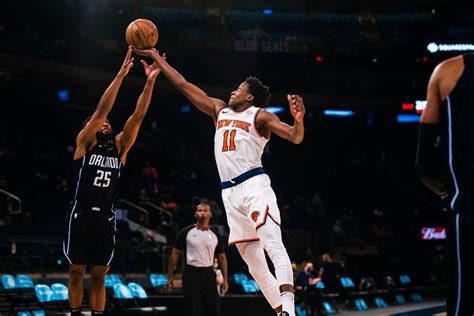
point(98, 278)
point(274, 248)
point(76, 275)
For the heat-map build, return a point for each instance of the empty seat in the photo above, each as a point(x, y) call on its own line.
point(158, 280)
point(24, 281)
point(9, 282)
point(141, 297)
point(61, 296)
point(44, 293)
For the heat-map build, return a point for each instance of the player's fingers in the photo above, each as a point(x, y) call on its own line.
point(293, 99)
point(144, 63)
point(138, 51)
point(290, 100)
point(129, 53)
point(300, 100)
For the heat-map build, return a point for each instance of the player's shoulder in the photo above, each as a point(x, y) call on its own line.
point(450, 64)
point(219, 105)
point(264, 116)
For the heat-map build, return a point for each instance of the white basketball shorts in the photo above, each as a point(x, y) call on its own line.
point(248, 206)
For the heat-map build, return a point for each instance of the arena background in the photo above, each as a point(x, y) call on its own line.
point(348, 190)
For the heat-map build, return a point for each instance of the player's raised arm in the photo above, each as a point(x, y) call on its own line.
point(198, 97)
point(270, 122)
point(127, 137)
point(87, 135)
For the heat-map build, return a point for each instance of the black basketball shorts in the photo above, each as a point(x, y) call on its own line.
point(89, 236)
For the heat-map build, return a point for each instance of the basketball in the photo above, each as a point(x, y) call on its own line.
point(141, 34)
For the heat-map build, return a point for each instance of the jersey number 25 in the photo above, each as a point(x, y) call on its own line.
point(102, 179)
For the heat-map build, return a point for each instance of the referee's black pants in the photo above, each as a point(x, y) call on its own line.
point(200, 292)
point(460, 265)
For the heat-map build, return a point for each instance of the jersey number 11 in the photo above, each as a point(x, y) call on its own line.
point(229, 142)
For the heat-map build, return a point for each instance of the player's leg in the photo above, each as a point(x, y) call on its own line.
point(270, 237)
point(238, 202)
point(253, 255)
point(103, 244)
point(263, 212)
point(75, 248)
point(75, 287)
point(97, 291)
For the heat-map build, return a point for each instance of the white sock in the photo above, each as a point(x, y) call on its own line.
point(288, 302)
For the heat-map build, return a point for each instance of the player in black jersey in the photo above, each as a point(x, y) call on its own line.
point(90, 222)
point(449, 170)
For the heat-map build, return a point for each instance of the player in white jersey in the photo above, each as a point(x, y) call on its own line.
point(242, 131)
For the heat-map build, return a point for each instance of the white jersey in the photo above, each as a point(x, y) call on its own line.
point(238, 146)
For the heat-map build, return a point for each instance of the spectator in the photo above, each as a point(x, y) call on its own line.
point(306, 282)
point(306, 276)
point(328, 273)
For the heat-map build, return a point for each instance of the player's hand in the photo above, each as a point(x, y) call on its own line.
point(297, 108)
point(153, 70)
point(151, 53)
point(224, 288)
point(127, 63)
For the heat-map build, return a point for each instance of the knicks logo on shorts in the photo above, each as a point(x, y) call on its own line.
point(255, 216)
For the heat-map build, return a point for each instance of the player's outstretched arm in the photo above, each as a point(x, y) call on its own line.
point(198, 97)
point(87, 135)
point(127, 137)
point(270, 122)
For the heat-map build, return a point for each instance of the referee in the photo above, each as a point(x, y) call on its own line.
point(201, 243)
point(450, 110)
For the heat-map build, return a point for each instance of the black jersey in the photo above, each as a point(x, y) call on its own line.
point(98, 176)
point(460, 114)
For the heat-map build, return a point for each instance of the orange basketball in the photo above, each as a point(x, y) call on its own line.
point(142, 34)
